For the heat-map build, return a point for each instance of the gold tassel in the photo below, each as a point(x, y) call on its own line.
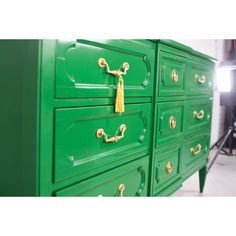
point(119, 106)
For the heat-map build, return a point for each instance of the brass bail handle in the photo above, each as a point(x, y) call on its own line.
point(200, 80)
point(199, 115)
point(121, 189)
point(195, 151)
point(119, 103)
point(101, 133)
point(103, 63)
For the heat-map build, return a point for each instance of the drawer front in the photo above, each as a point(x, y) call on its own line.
point(90, 140)
point(195, 151)
point(79, 75)
point(169, 121)
point(166, 168)
point(197, 115)
point(128, 180)
point(199, 78)
point(171, 75)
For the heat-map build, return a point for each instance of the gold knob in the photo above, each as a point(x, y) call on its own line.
point(121, 188)
point(172, 122)
point(169, 167)
point(174, 76)
point(195, 151)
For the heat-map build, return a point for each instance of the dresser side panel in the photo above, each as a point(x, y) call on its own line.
point(18, 119)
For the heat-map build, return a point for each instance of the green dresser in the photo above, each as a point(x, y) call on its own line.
point(102, 118)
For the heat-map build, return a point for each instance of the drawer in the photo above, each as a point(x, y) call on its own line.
point(199, 78)
point(90, 140)
point(78, 74)
point(166, 168)
point(195, 151)
point(169, 121)
point(171, 75)
point(197, 115)
point(128, 180)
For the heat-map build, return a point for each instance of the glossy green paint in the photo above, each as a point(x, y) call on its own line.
point(133, 175)
point(195, 168)
point(60, 97)
point(19, 117)
point(58, 103)
point(191, 96)
point(46, 116)
point(49, 103)
point(194, 123)
point(170, 189)
point(162, 178)
point(189, 160)
point(78, 74)
point(201, 68)
point(78, 151)
point(185, 48)
point(166, 110)
point(169, 63)
point(202, 177)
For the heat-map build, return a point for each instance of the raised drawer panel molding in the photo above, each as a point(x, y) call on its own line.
point(129, 180)
point(107, 117)
point(171, 75)
point(200, 76)
point(167, 169)
point(169, 121)
point(197, 115)
point(78, 74)
point(195, 150)
point(81, 151)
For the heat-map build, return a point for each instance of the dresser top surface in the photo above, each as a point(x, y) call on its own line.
point(188, 49)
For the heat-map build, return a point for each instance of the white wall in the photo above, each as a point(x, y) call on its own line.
point(207, 46)
point(214, 48)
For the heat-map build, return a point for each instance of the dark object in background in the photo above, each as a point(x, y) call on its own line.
point(230, 121)
point(229, 49)
point(228, 99)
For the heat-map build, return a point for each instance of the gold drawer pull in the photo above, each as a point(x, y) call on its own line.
point(119, 104)
point(200, 80)
point(121, 189)
point(115, 138)
point(103, 63)
point(199, 115)
point(174, 76)
point(172, 122)
point(195, 151)
point(169, 167)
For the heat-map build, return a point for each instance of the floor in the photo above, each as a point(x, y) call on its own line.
point(221, 179)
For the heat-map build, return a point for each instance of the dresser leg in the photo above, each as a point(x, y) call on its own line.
point(202, 178)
